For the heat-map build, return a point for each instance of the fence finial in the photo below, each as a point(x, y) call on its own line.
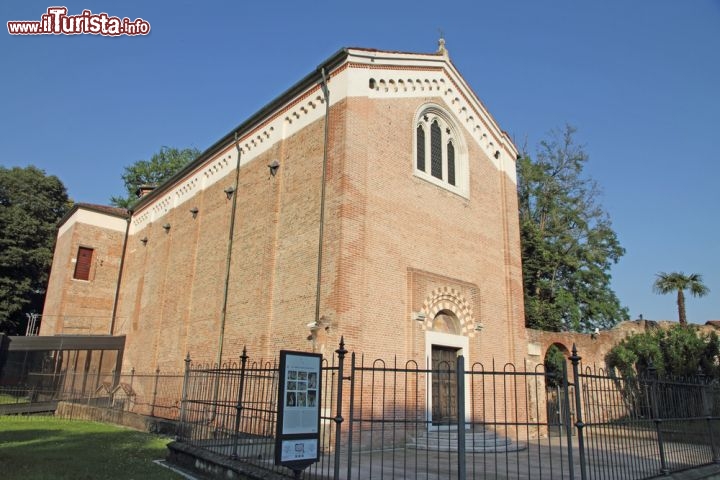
point(243, 358)
point(575, 358)
point(341, 351)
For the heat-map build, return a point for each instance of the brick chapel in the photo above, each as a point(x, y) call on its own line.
point(375, 200)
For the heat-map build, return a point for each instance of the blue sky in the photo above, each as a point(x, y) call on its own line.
point(640, 80)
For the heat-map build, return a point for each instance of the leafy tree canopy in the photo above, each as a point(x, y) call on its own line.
point(31, 204)
point(568, 244)
point(161, 166)
point(678, 351)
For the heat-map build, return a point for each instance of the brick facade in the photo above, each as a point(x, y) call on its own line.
point(84, 307)
point(398, 249)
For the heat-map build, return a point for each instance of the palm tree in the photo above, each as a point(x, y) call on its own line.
point(678, 281)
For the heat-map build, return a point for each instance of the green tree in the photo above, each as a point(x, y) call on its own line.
point(555, 365)
point(161, 166)
point(681, 350)
point(678, 351)
point(679, 282)
point(568, 244)
point(31, 203)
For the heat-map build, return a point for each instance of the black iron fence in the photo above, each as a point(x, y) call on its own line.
point(404, 420)
point(400, 419)
point(231, 411)
point(155, 394)
point(646, 426)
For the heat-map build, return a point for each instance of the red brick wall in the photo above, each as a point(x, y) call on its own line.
point(381, 224)
point(79, 306)
point(396, 222)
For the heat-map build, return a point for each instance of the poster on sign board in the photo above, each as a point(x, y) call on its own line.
point(298, 425)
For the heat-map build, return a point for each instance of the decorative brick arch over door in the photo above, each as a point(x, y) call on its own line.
point(448, 298)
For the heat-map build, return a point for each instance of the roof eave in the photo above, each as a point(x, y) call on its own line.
point(92, 208)
point(309, 80)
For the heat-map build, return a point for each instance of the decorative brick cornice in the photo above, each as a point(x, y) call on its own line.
point(403, 81)
point(395, 75)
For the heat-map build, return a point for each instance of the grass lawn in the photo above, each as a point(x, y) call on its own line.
point(37, 447)
point(5, 398)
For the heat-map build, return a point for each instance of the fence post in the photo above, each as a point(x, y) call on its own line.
point(713, 445)
point(351, 409)
point(131, 394)
point(575, 359)
point(460, 400)
point(566, 418)
point(338, 416)
point(111, 393)
point(702, 381)
point(655, 410)
point(152, 406)
point(238, 405)
point(183, 402)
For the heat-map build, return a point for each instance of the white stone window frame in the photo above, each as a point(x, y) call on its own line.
point(426, 115)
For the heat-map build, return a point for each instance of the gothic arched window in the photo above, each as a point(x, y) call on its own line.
point(436, 151)
point(420, 148)
point(440, 156)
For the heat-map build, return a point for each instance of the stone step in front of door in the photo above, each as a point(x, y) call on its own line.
point(479, 441)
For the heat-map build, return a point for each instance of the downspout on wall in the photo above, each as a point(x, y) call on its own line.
point(120, 274)
point(326, 94)
point(228, 256)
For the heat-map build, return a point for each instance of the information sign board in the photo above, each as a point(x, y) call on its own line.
point(298, 422)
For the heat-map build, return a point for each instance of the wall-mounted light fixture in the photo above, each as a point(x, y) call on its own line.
point(144, 240)
point(229, 192)
point(273, 166)
point(194, 211)
point(166, 227)
point(315, 328)
point(418, 316)
point(479, 327)
point(497, 154)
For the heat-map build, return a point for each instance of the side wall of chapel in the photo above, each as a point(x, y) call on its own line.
point(174, 284)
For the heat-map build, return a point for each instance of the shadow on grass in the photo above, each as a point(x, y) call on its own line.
point(23, 435)
point(78, 450)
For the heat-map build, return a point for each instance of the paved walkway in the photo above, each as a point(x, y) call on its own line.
point(606, 458)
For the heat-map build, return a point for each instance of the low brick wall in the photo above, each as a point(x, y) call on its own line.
point(594, 347)
point(119, 417)
point(208, 464)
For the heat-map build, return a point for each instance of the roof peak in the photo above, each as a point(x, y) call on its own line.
point(442, 50)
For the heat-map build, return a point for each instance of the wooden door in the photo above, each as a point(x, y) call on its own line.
point(444, 385)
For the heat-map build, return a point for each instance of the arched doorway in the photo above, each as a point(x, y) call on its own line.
point(558, 413)
point(444, 378)
point(444, 343)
